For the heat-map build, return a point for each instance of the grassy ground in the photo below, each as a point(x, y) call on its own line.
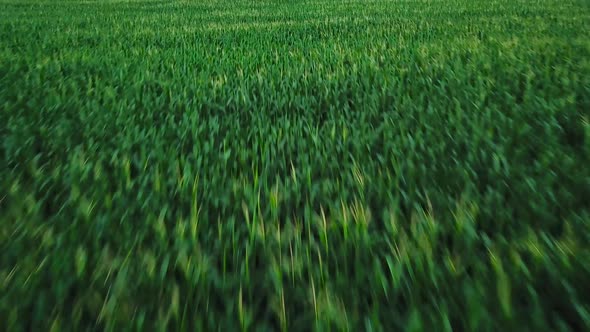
point(295, 165)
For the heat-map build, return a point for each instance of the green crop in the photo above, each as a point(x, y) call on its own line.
point(295, 165)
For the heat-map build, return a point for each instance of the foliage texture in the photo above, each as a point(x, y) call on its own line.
point(295, 165)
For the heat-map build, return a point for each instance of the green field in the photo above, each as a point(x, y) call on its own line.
point(313, 165)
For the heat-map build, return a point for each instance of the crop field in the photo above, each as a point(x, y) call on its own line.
point(314, 165)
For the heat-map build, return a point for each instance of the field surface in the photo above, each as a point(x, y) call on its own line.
point(295, 165)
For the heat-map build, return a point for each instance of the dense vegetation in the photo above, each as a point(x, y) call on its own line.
point(295, 165)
